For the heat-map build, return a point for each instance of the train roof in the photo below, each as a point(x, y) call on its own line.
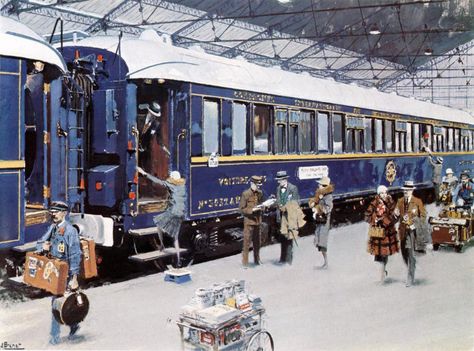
point(17, 40)
point(149, 58)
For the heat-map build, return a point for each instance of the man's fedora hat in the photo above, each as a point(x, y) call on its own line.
point(281, 175)
point(408, 185)
point(58, 206)
point(258, 180)
point(155, 109)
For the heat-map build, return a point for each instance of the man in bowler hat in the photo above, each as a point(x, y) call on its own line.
point(285, 193)
point(61, 241)
point(248, 206)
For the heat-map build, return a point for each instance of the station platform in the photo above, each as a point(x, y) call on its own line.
point(341, 308)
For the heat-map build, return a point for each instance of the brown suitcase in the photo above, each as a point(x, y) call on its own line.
point(46, 273)
point(88, 262)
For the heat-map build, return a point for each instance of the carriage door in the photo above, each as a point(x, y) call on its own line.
point(12, 163)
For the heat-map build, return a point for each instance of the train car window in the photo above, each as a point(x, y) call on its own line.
point(261, 127)
point(439, 138)
point(323, 132)
point(426, 135)
point(465, 142)
point(293, 132)
point(337, 133)
point(457, 139)
point(239, 129)
point(400, 136)
point(388, 135)
point(416, 137)
point(210, 127)
point(281, 122)
point(378, 135)
point(450, 139)
point(408, 136)
point(306, 131)
point(368, 135)
point(354, 134)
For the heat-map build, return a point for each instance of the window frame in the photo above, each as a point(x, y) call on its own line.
point(205, 135)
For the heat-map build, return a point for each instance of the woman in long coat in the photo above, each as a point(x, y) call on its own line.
point(322, 205)
point(380, 214)
point(170, 221)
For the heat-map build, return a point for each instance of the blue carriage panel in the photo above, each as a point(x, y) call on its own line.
point(196, 126)
point(58, 141)
point(105, 122)
point(11, 215)
point(180, 125)
point(11, 92)
point(129, 203)
point(226, 130)
point(12, 164)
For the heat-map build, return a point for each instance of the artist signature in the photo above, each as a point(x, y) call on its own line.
point(11, 346)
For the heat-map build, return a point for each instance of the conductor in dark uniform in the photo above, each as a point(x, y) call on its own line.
point(61, 240)
point(249, 201)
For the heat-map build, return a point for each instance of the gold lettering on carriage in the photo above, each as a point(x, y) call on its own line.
point(316, 105)
point(218, 202)
point(227, 181)
point(246, 95)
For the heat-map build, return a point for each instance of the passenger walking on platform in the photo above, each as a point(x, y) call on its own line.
point(449, 183)
point(412, 233)
point(61, 241)
point(463, 194)
point(170, 220)
point(322, 204)
point(380, 215)
point(252, 212)
point(287, 200)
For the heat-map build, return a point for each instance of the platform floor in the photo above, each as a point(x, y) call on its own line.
point(342, 308)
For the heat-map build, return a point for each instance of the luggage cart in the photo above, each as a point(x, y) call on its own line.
point(453, 227)
point(243, 330)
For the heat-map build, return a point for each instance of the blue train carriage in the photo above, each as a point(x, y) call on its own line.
point(223, 120)
point(36, 117)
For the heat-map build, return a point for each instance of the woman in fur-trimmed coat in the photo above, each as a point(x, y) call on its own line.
point(380, 213)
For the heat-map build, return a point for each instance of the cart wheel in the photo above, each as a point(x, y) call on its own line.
point(260, 341)
point(435, 247)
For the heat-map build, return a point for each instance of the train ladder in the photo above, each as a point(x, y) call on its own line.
point(75, 146)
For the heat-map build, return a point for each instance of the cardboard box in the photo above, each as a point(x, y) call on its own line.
point(89, 261)
point(46, 273)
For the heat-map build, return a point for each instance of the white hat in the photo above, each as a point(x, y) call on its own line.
point(449, 171)
point(175, 175)
point(324, 181)
point(408, 185)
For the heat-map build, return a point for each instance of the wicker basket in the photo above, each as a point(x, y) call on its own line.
point(376, 232)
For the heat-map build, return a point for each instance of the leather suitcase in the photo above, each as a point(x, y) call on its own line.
point(46, 273)
point(88, 262)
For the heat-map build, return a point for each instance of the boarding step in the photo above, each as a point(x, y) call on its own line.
point(143, 231)
point(31, 246)
point(154, 255)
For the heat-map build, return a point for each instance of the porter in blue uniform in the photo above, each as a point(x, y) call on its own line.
point(61, 240)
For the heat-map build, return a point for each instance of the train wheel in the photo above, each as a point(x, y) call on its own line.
point(260, 341)
point(435, 247)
